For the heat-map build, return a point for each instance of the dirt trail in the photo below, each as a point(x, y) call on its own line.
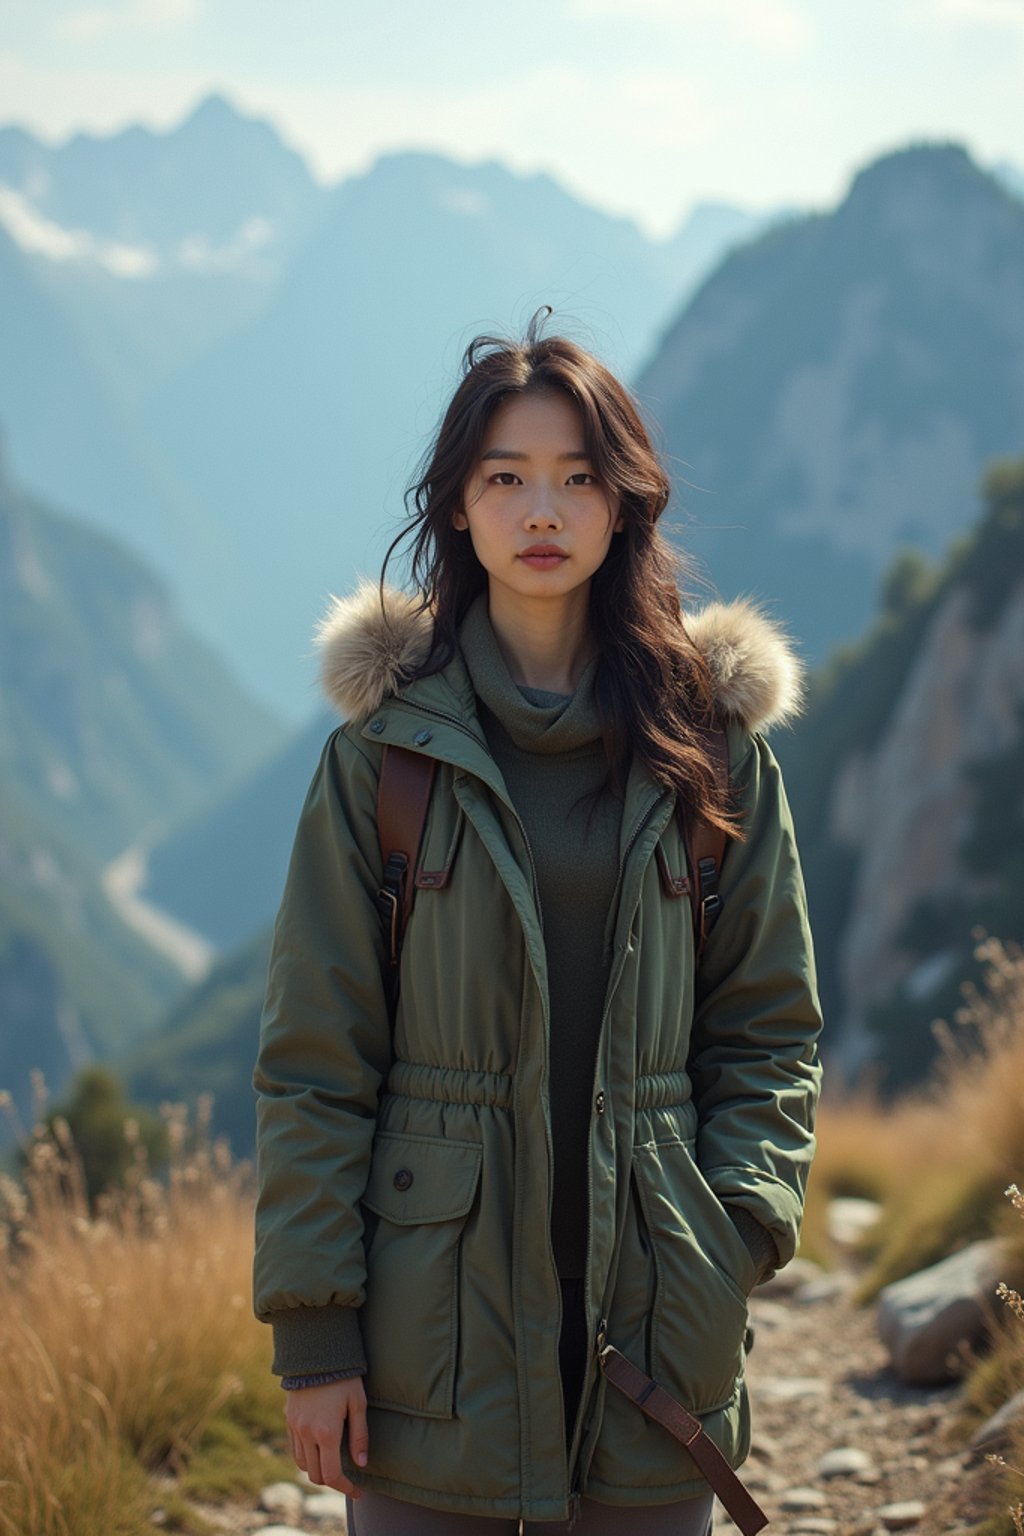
point(819, 1383)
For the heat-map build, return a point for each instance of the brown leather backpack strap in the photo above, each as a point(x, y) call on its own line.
point(403, 795)
point(705, 850)
point(666, 1410)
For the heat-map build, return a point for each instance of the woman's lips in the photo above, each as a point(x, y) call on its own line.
point(543, 557)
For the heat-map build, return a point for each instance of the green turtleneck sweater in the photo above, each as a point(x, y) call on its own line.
point(549, 750)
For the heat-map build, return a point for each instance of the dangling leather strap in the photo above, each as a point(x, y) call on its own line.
point(403, 794)
point(661, 1406)
point(705, 850)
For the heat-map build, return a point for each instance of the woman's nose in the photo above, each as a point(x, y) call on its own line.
point(543, 511)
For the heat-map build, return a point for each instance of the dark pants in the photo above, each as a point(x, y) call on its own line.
point(378, 1515)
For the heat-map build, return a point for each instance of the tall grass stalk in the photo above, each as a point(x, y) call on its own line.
point(124, 1327)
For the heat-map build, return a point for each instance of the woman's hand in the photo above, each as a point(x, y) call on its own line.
point(316, 1418)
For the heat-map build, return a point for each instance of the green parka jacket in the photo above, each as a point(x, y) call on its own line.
point(407, 1173)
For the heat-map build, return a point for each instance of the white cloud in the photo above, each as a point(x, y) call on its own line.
point(32, 231)
point(773, 26)
point(198, 255)
point(92, 24)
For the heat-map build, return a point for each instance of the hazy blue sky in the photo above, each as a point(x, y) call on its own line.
point(640, 105)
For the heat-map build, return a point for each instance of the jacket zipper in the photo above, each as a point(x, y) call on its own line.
point(575, 1497)
point(613, 982)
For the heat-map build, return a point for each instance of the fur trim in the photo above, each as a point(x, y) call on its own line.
point(757, 676)
point(368, 651)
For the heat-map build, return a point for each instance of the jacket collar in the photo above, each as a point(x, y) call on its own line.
point(372, 642)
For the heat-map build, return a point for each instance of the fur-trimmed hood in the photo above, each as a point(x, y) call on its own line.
point(368, 651)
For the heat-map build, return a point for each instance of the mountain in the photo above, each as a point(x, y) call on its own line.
point(907, 779)
point(114, 720)
point(75, 982)
point(835, 388)
point(232, 368)
point(208, 1044)
point(221, 872)
point(158, 244)
point(69, 436)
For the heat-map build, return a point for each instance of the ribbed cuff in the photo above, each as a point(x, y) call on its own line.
point(318, 1379)
point(759, 1241)
point(310, 1341)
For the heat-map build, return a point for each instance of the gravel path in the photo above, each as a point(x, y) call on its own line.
point(820, 1387)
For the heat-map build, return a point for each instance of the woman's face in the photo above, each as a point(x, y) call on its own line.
point(540, 520)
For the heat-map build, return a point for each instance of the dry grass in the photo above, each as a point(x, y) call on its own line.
point(126, 1334)
point(939, 1160)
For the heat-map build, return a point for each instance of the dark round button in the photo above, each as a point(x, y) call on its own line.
point(376, 726)
point(403, 1178)
point(422, 737)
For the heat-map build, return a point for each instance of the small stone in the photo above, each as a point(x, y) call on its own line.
point(799, 1499)
point(281, 1530)
point(844, 1461)
point(787, 1389)
point(763, 1480)
point(768, 1314)
point(900, 1517)
point(952, 1466)
point(814, 1525)
point(324, 1506)
point(869, 1477)
point(827, 1288)
point(283, 1499)
point(925, 1319)
point(847, 1220)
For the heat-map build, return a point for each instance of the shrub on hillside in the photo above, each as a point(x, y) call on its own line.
point(109, 1133)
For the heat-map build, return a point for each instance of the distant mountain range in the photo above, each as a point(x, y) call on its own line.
point(114, 722)
point(234, 369)
point(834, 391)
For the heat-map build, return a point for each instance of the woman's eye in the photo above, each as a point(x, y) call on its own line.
point(583, 475)
point(505, 477)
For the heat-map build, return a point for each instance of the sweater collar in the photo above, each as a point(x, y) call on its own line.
point(536, 721)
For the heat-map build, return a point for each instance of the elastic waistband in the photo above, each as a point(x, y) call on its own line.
point(449, 1085)
point(658, 1090)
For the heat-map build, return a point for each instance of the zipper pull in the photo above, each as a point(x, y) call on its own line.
point(602, 1336)
point(575, 1509)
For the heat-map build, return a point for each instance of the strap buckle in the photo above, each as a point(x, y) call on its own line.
point(389, 900)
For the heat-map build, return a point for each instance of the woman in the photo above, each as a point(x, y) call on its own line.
point(573, 1143)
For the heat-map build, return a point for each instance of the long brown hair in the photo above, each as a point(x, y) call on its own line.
point(652, 686)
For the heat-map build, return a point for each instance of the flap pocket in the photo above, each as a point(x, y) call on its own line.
point(416, 1179)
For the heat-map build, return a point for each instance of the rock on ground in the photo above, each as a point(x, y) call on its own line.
point(927, 1317)
point(844, 1461)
